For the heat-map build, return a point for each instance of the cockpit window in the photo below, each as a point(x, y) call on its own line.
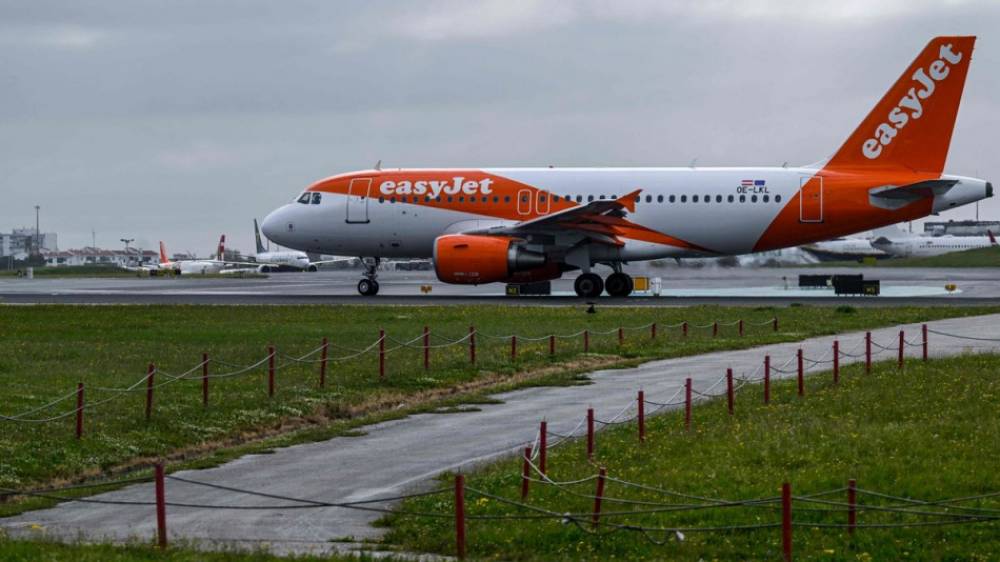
point(316, 198)
point(304, 198)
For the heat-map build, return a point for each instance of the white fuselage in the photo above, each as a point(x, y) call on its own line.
point(922, 246)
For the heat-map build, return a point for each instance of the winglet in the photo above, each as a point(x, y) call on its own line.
point(256, 233)
point(628, 201)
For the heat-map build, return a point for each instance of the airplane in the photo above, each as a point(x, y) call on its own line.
point(919, 246)
point(517, 225)
point(165, 265)
point(838, 249)
point(287, 260)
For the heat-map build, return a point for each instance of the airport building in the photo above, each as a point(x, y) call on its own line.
point(98, 256)
point(21, 241)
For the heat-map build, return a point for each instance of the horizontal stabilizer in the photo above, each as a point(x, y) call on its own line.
point(895, 197)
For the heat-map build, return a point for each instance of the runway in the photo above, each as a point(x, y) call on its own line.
point(404, 455)
point(680, 286)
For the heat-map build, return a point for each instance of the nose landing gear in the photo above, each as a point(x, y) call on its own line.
point(369, 285)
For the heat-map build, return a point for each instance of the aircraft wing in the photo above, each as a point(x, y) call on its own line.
point(334, 260)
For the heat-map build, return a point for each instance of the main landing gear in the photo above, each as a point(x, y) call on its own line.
point(590, 285)
point(369, 285)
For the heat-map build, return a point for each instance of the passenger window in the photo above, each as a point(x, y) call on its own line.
point(718, 199)
point(304, 198)
point(579, 198)
point(743, 198)
point(541, 199)
point(450, 198)
point(600, 197)
point(649, 198)
point(496, 199)
point(777, 199)
point(694, 198)
point(524, 199)
point(461, 199)
point(427, 198)
point(708, 198)
point(381, 199)
point(590, 198)
point(730, 198)
point(506, 198)
point(766, 198)
point(659, 199)
point(684, 198)
point(753, 198)
point(673, 198)
point(392, 199)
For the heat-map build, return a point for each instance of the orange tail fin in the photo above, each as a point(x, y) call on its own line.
point(222, 248)
point(910, 127)
point(163, 253)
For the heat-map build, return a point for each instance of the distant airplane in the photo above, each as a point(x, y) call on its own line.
point(920, 246)
point(841, 249)
point(285, 260)
point(519, 225)
point(194, 266)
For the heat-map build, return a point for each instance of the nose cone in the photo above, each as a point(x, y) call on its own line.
point(272, 227)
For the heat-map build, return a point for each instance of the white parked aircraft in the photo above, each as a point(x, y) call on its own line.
point(513, 225)
point(282, 260)
point(844, 249)
point(920, 246)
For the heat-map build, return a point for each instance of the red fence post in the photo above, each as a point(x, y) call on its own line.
point(923, 329)
point(427, 348)
point(543, 445)
point(642, 415)
point(590, 434)
point(767, 379)
point(852, 515)
point(902, 347)
point(161, 507)
point(836, 361)
point(472, 344)
point(868, 352)
point(599, 494)
point(381, 354)
point(552, 344)
point(460, 516)
point(270, 370)
point(684, 328)
point(149, 390)
point(513, 348)
point(715, 329)
point(801, 375)
point(687, 404)
point(740, 327)
point(525, 473)
point(729, 389)
point(786, 520)
point(652, 331)
point(774, 323)
point(79, 410)
point(586, 341)
point(322, 363)
point(204, 379)
point(621, 335)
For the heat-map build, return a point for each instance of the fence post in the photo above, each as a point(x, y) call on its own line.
point(652, 331)
point(852, 515)
point(270, 370)
point(774, 323)
point(552, 344)
point(590, 434)
point(322, 363)
point(79, 410)
point(767, 379)
point(923, 329)
point(868, 352)
point(149, 390)
point(472, 345)
point(642, 415)
point(427, 348)
point(543, 445)
point(740, 326)
point(586, 341)
point(161, 507)
point(684, 328)
point(715, 328)
point(687, 404)
point(836, 361)
point(786, 520)
point(729, 389)
point(513, 347)
point(460, 516)
point(902, 347)
point(599, 494)
point(204, 379)
point(525, 473)
point(621, 335)
point(801, 375)
point(381, 354)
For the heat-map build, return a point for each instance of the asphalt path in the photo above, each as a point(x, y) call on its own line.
point(403, 456)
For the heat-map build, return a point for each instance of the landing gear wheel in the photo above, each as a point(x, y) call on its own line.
point(619, 284)
point(368, 287)
point(589, 285)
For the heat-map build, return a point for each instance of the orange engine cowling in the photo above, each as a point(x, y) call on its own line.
point(469, 259)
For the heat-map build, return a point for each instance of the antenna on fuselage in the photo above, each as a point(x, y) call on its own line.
point(784, 164)
point(378, 165)
point(693, 162)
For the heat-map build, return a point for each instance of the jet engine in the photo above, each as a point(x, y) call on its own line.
point(469, 259)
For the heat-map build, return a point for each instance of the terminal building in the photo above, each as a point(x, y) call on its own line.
point(98, 256)
point(20, 242)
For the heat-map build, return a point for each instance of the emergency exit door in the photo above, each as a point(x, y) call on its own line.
point(811, 199)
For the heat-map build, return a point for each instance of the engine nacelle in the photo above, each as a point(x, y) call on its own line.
point(469, 259)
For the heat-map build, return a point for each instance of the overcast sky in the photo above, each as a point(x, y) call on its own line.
point(182, 120)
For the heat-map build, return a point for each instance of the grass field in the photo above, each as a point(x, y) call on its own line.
point(74, 271)
point(47, 349)
point(28, 551)
point(930, 432)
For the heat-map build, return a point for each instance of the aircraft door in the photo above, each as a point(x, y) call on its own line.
point(811, 199)
point(357, 200)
